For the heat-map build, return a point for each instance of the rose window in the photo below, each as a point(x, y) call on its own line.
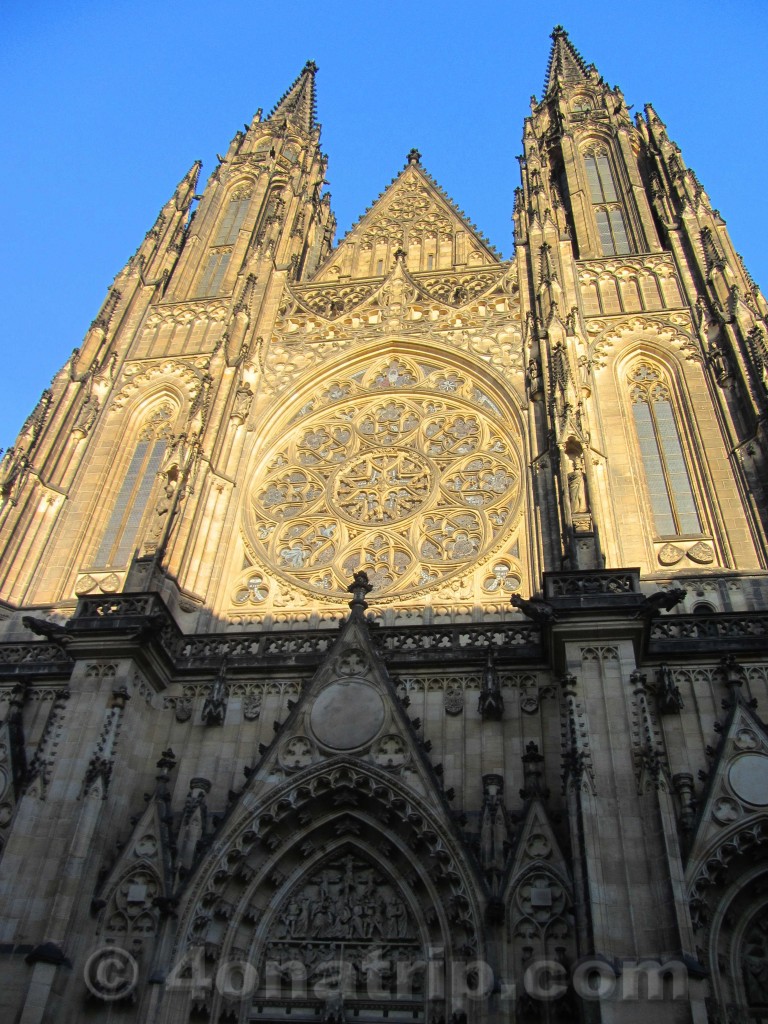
point(414, 486)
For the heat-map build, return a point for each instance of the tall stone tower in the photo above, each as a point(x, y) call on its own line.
point(433, 584)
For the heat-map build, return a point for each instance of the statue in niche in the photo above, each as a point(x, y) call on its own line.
point(161, 516)
point(242, 404)
point(755, 970)
point(86, 417)
point(577, 486)
point(534, 376)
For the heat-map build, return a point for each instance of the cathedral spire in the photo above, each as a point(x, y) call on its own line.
point(299, 100)
point(566, 65)
point(185, 190)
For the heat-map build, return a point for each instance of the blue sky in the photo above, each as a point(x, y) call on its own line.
point(106, 105)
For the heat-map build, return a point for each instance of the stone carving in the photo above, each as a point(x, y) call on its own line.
point(668, 693)
point(577, 487)
point(161, 517)
point(215, 706)
point(296, 752)
point(490, 703)
point(242, 404)
point(493, 828)
point(754, 965)
point(701, 553)
point(252, 707)
point(183, 709)
point(89, 410)
point(347, 899)
point(390, 752)
point(453, 700)
point(670, 554)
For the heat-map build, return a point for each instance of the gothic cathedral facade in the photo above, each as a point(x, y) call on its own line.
point(384, 623)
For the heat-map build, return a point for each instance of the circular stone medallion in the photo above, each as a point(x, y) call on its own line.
point(347, 715)
point(748, 775)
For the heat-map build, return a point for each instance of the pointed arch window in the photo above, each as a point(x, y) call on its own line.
point(609, 216)
point(138, 485)
point(661, 449)
point(233, 218)
point(226, 235)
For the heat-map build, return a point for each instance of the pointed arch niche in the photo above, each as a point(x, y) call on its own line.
point(666, 466)
point(341, 874)
point(608, 206)
point(729, 900)
point(139, 472)
point(234, 211)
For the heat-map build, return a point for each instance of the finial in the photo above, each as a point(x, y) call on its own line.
point(310, 66)
point(414, 156)
point(358, 588)
point(166, 764)
point(558, 30)
point(400, 255)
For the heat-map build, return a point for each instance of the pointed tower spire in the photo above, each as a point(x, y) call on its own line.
point(299, 100)
point(185, 190)
point(566, 64)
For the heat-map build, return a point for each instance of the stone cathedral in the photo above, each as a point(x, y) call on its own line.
point(384, 624)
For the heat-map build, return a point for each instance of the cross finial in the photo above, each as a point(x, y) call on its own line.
point(358, 588)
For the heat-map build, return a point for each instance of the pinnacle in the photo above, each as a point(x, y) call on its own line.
point(299, 99)
point(565, 62)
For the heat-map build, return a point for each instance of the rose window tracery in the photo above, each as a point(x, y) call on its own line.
point(414, 487)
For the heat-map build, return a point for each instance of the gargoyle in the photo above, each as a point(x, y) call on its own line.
point(540, 611)
point(662, 600)
point(50, 630)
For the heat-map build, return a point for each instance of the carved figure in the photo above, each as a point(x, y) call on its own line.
point(163, 508)
point(50, 630)
point(755, 969)
point(87, 417)
point(577, 490)
point(540, 611)
point(242, 403)
point(661, 600)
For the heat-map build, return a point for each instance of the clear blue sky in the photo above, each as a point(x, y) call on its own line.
point(106, 105)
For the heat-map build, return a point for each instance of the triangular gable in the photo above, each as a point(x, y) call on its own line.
point(736, 803)
point(414, 215)
point(138, 885)
point(349, 709)
point(537, 850)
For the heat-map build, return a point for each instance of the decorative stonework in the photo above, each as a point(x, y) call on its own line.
point(415, 488)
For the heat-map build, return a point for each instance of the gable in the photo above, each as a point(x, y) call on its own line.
point(413, 215)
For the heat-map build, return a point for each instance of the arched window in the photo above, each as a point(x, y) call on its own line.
point(661, 449)
point(226, 235)
point(609, 216)
point(233, 218)
point(135, 493)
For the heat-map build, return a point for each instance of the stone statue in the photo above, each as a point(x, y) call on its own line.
point(86, 417)
point(540, 611)
point(163, 508)
point(755, 969)
point(242, 404)
point(577, 490)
